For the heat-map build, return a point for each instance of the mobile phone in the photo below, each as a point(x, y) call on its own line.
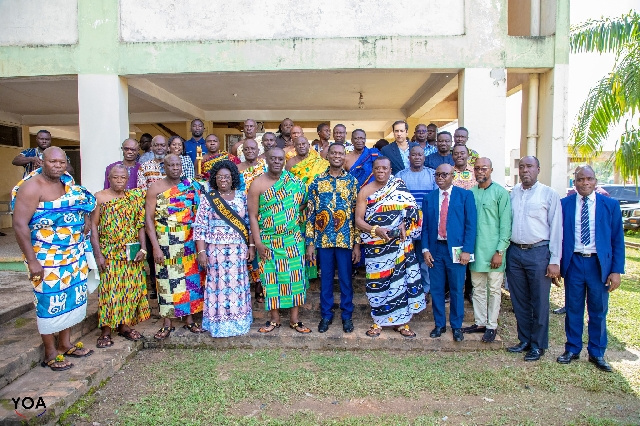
point(393, 233)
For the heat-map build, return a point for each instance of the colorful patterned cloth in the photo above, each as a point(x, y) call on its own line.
point(180, 282)
point(123, 286)
point(58, 242)
point(150, 172)
point(331, 211)
point(188, 171)
point(362, 169)
point(465, 179)
point(306, 170)
point(394, 286)
point(227, 295)
point(249, 175)
point(283, 273)
point(220, 156)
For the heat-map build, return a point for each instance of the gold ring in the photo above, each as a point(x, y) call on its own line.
point(36, 278)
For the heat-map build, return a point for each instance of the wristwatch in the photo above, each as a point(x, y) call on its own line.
point(500, 252)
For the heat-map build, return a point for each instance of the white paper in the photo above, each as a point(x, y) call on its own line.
point(457, 251)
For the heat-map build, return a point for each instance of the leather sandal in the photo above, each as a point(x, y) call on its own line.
point(164, 332)
point(300, 327)
point(404, 331)
point(374, 331)
point(269, 326)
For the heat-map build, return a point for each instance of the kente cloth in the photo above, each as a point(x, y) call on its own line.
point(290, 154)
point(465, 179)
point(180, 281)
point(362, 169)
point(123, 286)
point(227, 295)
point(215, 158)
point(251, 173)
point(283, 271)
point(307, 169)
point(58, 242)
point(393, 286)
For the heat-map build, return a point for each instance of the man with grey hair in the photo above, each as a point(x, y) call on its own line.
point(153, 170)
point(129, 154)
point(250, 131)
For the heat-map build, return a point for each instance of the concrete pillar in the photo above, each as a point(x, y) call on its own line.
point(103, 104)
point(482, 95)
point(553, 128)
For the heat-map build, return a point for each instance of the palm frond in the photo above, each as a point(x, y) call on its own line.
point(605, 35)
point(627, 155)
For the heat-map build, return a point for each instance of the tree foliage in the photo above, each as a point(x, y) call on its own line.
point(616, 97)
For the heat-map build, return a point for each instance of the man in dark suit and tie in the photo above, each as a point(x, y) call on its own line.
point(592, 261)
point(398, 151)
point(449, 221)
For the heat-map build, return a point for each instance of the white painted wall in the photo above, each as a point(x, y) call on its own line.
point(188, 20)
point(41, 22)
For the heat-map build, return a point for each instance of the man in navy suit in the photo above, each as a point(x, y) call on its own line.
point(449, 220)
point(398, 151)
point(592, 261)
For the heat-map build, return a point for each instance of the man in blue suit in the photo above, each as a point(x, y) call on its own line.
point(449, 220)
point(592, 261)
point(398, 151)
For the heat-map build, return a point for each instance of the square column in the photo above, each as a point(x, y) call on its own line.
point(553, 128)
point(103, 104)
point(482, 101)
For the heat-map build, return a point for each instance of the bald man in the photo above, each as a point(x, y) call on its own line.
point(129, 149)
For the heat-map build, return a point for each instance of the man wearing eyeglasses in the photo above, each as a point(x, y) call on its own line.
point(448, 227)
point(492, 239)
point(422, 134)
point(129, 154)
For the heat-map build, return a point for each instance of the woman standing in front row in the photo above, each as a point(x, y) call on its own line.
point(221, 232)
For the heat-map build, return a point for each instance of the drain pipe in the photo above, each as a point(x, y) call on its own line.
point(532, 117)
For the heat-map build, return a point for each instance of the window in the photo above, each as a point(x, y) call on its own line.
point(10, 136)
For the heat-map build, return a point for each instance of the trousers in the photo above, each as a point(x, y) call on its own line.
point(330, 259)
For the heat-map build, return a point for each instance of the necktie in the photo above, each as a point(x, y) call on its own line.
point(442, 226)
point(585, 233)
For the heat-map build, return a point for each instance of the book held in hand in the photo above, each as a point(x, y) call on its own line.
point(132, 250)
point(457, 251)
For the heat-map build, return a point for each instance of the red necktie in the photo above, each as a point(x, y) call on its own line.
point(442, 226)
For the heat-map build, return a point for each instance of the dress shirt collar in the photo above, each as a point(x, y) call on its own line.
point(441, 191)
point(591, 197)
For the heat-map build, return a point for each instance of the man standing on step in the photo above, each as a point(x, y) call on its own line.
point(275, 201)
point(533, 257)
point(49, 222)
point(191, 146)
point(493, 206)
point(592, 261)
point(448, 240)
point(330, 230)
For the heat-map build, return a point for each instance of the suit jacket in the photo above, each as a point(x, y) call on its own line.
point(461, 220)
point(392, 152)
point(609, 235)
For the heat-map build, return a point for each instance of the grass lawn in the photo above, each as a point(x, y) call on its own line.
point(632, 237)
point(293, 387)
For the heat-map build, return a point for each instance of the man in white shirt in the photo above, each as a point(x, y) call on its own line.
point(533, 257)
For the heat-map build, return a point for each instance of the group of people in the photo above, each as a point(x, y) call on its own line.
point(422, 214)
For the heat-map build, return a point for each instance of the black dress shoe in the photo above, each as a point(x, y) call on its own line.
point(600, 363)
point(520, 347)
point(567, 357)
point(474, 329)
point(324, 325)
point(457, 335)
point(347, 325)
point(427, 298)
point(560, 311)
point(489, 335)
point(534, 354)
point(447, 297)
point(437, 332)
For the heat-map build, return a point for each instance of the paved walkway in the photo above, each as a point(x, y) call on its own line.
point(9, 250)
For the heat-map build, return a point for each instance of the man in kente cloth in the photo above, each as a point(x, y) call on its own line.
point(250, 169)
point(359, 162)
point(390, 220)
point(306, 165)
point(214, 155)
point(275, 201)
point(171, 206)
point(49, 222)
point(118, 221)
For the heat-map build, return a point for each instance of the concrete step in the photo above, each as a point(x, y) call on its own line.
point(21, 347)
point(16, 295)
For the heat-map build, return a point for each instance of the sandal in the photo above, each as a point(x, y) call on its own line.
point(163, 333)
point(194, 327)
point(104, 342)
point(300, 327)
point(77, 351)
point(57, 360)
point(259, 293)
point(404, 331)
point(269, 326)
point(374, 331)
point(132, 335)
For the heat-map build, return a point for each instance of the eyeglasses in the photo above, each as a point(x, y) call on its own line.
point(481, 169)
point(442, 175)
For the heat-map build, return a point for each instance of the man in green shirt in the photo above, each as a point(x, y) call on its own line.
point(493, 234)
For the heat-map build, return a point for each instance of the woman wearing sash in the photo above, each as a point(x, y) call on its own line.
point(224, 246)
